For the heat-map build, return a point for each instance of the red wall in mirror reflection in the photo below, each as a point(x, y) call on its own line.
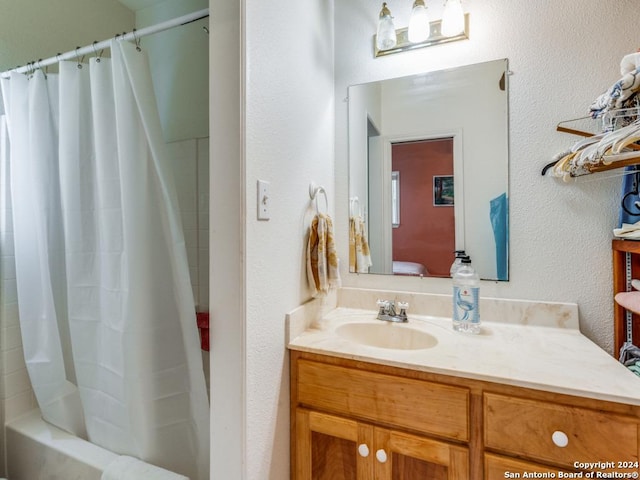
point(426, 233)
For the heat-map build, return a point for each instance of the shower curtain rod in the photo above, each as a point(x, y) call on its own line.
point(95, 47)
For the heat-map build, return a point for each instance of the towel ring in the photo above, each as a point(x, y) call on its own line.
point(314, 190)
point(355, 206)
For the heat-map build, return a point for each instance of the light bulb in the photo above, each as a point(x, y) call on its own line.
point(419, 28)
point(386, 36)
point(452, 18)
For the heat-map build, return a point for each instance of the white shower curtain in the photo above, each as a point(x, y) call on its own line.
point(106, 307)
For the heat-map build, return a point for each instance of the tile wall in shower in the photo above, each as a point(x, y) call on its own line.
point(16, 395)
point(191, 167)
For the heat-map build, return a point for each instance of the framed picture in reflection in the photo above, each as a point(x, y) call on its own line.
point(443, 191)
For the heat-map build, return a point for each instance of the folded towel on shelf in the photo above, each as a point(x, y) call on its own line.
point(130, 468)
point(322, 261)
point(629, 300)
point(628, 230)
point(359, 254)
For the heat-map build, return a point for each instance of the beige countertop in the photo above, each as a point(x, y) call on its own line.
point(549, 354)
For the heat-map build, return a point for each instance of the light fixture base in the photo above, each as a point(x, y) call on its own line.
point(435, 38)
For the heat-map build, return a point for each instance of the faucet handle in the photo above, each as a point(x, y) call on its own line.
point(383, 306)
point(382, 303)
point(402, 306)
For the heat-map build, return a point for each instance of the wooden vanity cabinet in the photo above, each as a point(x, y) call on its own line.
point(354, 423)
point(335, 448)
point(353, 420)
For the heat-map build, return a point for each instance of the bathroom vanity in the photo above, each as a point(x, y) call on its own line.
point(529, 395)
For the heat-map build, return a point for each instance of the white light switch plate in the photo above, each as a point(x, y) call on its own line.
point(264, 201)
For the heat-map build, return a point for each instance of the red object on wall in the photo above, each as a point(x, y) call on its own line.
point(427, 232)
point(203, 327)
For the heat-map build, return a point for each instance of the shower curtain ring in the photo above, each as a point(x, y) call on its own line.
point(137, 41)
point(98, 55)
point(40, 68)
point(80, 60)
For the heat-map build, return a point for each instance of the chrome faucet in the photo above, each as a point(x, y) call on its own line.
point(387, 311)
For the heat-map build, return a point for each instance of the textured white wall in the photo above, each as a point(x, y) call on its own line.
point(272, 117)
point(563, 54)
point(289, 142)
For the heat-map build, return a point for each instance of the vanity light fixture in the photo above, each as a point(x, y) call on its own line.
point(386, 36)
point(421, 32)
point(419, 28)
point(452, 18)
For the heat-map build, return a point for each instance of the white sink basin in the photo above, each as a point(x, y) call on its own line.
point(387, 335)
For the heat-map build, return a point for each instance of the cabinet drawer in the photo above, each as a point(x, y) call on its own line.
point(526, 427)
point(415, 404)
point(496, 467)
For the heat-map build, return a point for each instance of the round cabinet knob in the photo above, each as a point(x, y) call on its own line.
point(381, 455)
point(560, 439)
point(363, 450)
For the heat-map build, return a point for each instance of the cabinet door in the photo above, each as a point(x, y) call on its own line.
point(401, 456)
point(332, 448)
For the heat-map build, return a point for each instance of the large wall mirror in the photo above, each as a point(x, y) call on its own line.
point(428, 172)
